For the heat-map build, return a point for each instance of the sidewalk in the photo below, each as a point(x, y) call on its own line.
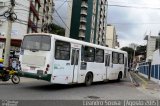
point(145, 85)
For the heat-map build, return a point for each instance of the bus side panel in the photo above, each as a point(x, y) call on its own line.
point(98, 70)
point(112, 73)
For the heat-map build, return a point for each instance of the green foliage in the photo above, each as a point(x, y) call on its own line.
point(55, 29)
point(130, 52)
point(141, 50)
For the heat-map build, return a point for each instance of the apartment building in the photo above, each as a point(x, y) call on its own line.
point(20, 26)
point(153, 44)
point(111, 37)
point(87, 20)
point(46, 15)
point(32, 17)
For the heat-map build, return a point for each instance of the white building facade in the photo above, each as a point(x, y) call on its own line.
point(152, 43)
point(111, 37)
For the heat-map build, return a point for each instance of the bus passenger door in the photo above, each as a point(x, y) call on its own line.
point(125, 67)
point(107, 63)
point(75, 64)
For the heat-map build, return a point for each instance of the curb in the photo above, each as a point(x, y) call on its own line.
point(143, 82)
point(138, 81)
point(133, 80)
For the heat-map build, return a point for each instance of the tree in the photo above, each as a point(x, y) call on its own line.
point(55, 29)
point(130, 52)
point(141, 50)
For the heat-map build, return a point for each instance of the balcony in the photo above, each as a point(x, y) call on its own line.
point(102, 7)
point(32, 7)
point(83, 20)
point(82, 27)
point(84, 5)
point(84, 12)
point(82, 34)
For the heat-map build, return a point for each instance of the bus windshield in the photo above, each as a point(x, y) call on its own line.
point(37, 42)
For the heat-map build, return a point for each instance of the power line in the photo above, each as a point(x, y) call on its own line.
point(135, 23)
point(61, 19)
point(61, 5)
point(136, 7)
point(129, 6)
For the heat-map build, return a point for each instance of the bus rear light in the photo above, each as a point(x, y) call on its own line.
point(48, 65)
point(45, 72)
point(47, 68)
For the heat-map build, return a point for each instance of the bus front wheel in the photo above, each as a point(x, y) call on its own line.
point(88, 79)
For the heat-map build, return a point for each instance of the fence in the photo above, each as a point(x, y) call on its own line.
point(149, 70)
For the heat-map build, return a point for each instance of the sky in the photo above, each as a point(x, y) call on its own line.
point(133, 19)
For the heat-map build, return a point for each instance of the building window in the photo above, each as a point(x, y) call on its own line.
point(62, 50)
point(99, 57)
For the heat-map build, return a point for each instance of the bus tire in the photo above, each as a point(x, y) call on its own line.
point(119, 76)
point(88, 79)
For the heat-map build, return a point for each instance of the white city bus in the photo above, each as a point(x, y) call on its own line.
point(62, 60)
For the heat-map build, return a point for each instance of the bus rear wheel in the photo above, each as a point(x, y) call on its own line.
point(88, 79)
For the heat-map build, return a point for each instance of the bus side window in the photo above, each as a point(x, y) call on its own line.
point(99, 56)
point(115, 58)
point(121, 58)
point(89, 54)
point(62, 50)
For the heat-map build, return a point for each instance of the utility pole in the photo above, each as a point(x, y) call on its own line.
point(8, 36)
point(134, 60)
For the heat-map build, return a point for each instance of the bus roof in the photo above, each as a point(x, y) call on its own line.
point(77, 41)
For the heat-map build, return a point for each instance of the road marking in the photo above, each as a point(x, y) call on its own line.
point(145, 82)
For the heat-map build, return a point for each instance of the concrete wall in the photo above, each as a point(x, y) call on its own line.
point(156, 57)
point(154, 69)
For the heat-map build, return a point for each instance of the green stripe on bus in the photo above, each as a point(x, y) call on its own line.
point(35, 76)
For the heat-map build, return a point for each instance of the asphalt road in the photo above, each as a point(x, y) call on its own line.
point(30, 89)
